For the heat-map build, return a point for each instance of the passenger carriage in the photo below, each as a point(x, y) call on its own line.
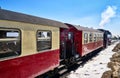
point(29, 45)
point(107, 37)
point(79, 41)
point(91, 39)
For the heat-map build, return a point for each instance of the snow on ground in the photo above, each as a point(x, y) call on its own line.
point(95, 67)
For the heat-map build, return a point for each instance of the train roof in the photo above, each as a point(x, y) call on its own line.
point(19, 17)
point(81, 28)
point(106, 31)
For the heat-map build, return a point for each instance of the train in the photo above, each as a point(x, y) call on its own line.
point(31, 46)
point(107, 37)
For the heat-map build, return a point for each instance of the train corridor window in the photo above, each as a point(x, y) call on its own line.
point(94, 37)
point(44, 40)
point(98, 37)
point(90, 37)
point(101, 37)
point(85, 38)
point(9, 43)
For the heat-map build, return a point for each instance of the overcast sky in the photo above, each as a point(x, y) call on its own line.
point(89, 13)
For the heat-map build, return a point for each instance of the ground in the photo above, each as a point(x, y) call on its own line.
point(96, 66)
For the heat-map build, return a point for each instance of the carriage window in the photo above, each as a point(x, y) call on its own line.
point(98, 37)
point(94, 37)
point(101, 37)
point(85, 38)
point(9, 43)
point(44, 40)
point(90, 37)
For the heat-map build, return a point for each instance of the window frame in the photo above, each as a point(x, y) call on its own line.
point(95, 38)
point(19, 37)
point(90, 37)
point(37, 40)
point(85, 38)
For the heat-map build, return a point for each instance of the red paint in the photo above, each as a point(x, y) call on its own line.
point(90, 47)
point(77, 37)
point(81, 49)
point(29, 66)
point(78, 42)
point(84, 49)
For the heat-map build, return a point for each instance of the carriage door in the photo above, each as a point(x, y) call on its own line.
point(70, 45)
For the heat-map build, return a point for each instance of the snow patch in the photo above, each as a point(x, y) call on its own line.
point(95, 67)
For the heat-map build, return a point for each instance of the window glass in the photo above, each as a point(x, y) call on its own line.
point(85, 38)
point(97, 37)
point(101, 37)
point(44, 40)
point(94, 37)
point(90, 37)
point(9, 42)
point(109, 35)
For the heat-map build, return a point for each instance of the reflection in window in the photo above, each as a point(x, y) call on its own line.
point(43, 40)
point(94, 37)
point(9, 42)
point(85, 38)
point(90, 37)
point(101, 37)
point(109, 36)
point(97, 37)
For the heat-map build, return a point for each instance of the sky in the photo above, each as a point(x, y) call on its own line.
point(88, 13)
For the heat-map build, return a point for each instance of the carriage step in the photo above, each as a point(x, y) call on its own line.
point(63, 71)
point(61, 60)
point(79, 62)
point(61, 66)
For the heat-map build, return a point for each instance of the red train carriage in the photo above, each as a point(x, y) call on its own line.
point(79, 41)
point(91, 39)
point(29, 46)
point(69, 40)
point(107, 37)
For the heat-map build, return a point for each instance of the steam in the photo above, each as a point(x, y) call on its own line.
point(106, 15)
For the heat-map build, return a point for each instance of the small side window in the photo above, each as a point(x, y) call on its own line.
point(90, 37)
point(85, 38)
point(94, 37)
point(44, 40)
point(9, 42)
point(101, 37)
point(97, 37)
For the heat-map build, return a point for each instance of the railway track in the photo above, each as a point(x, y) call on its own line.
point(64, 71)
point(74, 67)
